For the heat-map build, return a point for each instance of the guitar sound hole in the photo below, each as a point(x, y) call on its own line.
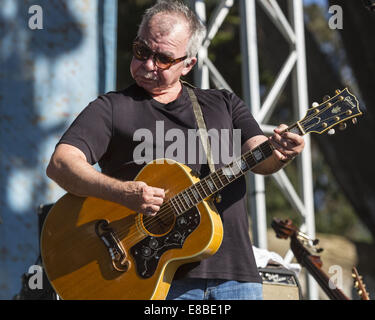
point(159, 224)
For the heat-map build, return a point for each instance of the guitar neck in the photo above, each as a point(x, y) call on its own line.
point(222, 177)
point(324, 282)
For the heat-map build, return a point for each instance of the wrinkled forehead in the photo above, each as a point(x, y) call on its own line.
point(164, 24)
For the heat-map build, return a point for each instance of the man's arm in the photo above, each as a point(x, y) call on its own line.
point(287, 146)
point(69, 168)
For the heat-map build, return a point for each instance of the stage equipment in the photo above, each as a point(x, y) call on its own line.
point(280, 283)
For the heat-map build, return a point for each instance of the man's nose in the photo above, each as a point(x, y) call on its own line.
point(150, 63)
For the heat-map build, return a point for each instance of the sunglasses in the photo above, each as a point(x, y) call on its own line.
point(142, 52)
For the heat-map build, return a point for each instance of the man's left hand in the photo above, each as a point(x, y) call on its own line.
point(287, 144)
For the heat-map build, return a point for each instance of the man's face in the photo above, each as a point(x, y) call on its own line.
point(173, 44)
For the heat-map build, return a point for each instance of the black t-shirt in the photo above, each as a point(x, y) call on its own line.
point(111, 127)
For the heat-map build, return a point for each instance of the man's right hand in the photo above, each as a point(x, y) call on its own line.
point(142, 198)
point(71, 171)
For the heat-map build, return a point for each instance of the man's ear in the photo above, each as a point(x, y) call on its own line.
point(189, 66)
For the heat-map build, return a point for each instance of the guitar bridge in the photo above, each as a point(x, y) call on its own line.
point(113, 245)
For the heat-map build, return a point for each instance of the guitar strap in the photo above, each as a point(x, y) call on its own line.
point(201, 126)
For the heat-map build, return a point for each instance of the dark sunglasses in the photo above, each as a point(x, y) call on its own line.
point(142, 52)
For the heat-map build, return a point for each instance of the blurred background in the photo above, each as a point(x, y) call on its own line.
point(50, 70)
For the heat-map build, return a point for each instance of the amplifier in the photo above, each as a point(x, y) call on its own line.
point(280, 284)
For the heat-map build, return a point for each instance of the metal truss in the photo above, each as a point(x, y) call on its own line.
point(292, 29)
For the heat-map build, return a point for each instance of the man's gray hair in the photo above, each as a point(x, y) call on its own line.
point(197, 29)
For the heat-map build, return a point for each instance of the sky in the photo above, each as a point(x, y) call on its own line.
point(320, 2)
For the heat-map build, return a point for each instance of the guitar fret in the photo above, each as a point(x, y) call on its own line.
point(218, 177)
point(205, 187)
point(266, 149)
point(244, 164)
point(208, 186)
point(226, 177)
point(173, 206)
point(257, 154)
point(181, 200)
point(179, 208)
point(232, 170)
point(253, 160)
point(187, 199)
point(238, 168)
point(200, 196)
point(191, 198)
point(295, 129)
point(201, 185)
point(193, 192)
point(250, 159)
point(213, 181)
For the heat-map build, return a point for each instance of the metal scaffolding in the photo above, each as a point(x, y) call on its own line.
point(292, 29)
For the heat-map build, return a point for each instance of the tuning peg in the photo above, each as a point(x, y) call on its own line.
point(315, 104)
point(326, 97)
point(331, 132)
point(337, 91)
point(354, 120)
point(342, 126)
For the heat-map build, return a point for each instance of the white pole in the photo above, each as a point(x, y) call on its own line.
point(251, 93)
point(301, 104)
point(201, 73)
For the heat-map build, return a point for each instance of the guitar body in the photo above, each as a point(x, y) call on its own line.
point(96, 249)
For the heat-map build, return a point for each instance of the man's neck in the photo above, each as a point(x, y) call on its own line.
point(169, 95)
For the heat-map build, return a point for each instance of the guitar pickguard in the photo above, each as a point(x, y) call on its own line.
point(148, 251)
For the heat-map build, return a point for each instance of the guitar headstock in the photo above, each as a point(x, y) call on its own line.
point(301, 244)
point(283, 228)
point(359, 285)
point(333, 111)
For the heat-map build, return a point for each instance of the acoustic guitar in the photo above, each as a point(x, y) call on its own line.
point(96, 249)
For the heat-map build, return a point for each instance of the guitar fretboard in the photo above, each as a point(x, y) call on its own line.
point(219, 179)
